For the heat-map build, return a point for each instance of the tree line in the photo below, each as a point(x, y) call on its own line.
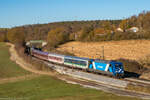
point(98, 30)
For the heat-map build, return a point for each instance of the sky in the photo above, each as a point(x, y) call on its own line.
point(23, 12)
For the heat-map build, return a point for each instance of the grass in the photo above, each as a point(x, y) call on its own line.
point(49, 88)
point(8, 68)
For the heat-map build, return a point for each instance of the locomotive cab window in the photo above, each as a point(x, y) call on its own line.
point(118, 65)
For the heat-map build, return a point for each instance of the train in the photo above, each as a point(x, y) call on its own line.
point(105, 67)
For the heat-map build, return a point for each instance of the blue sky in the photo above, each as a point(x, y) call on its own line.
point(21, 12)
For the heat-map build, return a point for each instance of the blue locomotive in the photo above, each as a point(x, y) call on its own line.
point(112, 68)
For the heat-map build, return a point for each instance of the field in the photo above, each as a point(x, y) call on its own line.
point(126, 49)
point(7, 67)
point(48, 88)
point(24, 85)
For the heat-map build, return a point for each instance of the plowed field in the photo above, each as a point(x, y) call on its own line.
point(127, 49)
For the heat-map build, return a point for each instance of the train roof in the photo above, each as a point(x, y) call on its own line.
point(56, 54)
point(41, 52)
point(102, 61)
point(106, 61)
point(80, 58)
point(48, 53)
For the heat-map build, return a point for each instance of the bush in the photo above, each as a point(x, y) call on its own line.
point(145, 61)
point(124, 36)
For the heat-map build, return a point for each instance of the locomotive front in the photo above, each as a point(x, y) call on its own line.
point(118, 69)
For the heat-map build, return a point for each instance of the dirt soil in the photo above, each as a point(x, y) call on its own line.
point(15, 57)
point(19, 78)
point(127, 49)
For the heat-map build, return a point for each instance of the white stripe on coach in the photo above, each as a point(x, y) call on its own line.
point(107, 66)
point(93, 63)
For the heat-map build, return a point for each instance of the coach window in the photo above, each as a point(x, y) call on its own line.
point(68, 60)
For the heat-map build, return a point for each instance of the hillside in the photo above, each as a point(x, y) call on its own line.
point(127, 49)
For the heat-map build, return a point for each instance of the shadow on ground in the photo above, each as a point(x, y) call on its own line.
point(132, 68)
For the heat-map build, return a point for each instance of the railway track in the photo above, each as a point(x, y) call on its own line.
point(61, 69)
point(85, 75)
point(142, 81)
point(107, 84)
point(106, 88)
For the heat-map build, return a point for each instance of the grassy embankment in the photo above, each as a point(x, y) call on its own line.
point(48, 88)
point(9, 68)
point(44, 87)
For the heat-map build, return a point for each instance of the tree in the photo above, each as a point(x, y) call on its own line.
point(140, 20)
point(146, 22)
point(132, 21)
point(99, 31)
point(107, 25)
point(124, 24)
point(57, 36)
point(16, 35)
point(3, 33)
point(84, 33)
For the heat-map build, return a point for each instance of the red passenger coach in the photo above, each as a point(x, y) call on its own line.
point(56, 58)
point(40, 54)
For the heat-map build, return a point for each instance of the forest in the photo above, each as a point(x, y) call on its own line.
point(86, 31)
